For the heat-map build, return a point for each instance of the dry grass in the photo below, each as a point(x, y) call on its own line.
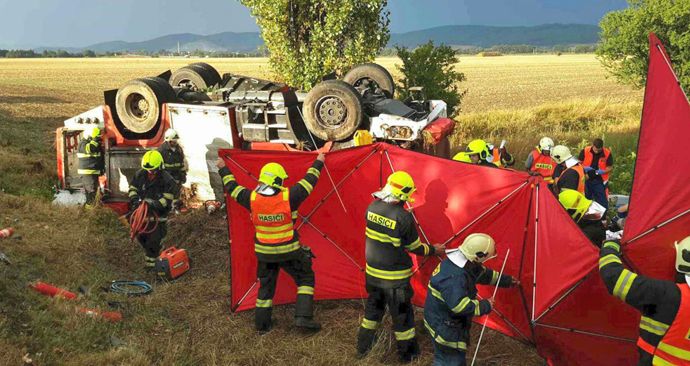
point(188, 322)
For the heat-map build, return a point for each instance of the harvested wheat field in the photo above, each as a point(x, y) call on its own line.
point(188, 322)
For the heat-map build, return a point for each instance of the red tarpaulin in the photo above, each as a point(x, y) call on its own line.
point(561, 306)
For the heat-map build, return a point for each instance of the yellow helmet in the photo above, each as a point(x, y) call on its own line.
point(462, 157)
point(401, 186)
point(93, 132)
point(478, 147)
point(152, 160)
point(683, 256)
point(574, 202)
point(478, 247)
point(273, 174)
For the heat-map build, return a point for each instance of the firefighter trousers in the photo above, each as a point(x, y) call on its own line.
point(446, 356)
point(300, 269)
point(90, 183)
point(151, 242)
point(399, 303)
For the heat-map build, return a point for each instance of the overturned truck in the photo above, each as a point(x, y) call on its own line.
point(210, 111)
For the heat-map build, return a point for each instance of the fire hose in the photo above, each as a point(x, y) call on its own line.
point(141, 221)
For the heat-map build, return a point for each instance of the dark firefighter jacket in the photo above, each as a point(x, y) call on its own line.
point(657, 300)
point(160, 190)
point(90, 157)
point(298, 194)
point(451, 301)
point(173, 160)
point(390, 233)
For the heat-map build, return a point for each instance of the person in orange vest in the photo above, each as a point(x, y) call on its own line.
point(540, 162)
point(500, 156)
point(572, 174)
point(665, 306)
point(273, 209)
point(598, 163)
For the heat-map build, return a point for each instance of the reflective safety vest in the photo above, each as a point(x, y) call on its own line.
point(272, 218)
point(496, 153)
point(674, 347)
point(90, 157)
point(589, 156)
point(581, 177)
point(543, 164)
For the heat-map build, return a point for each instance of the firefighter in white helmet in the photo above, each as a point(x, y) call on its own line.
point(91, 162)
point(664, 305)
point(174, 162)
point(569, 173)
point(540, 161)
point(451, 299)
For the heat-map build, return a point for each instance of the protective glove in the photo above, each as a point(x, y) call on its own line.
point(588, 169)
point(134, 204)
point(514, 282)
point(601, 172)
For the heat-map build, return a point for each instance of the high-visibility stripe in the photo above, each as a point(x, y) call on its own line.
point(384, 238)
point(295, 215)
point(163, 202)
point(275, 229)
point(307, 186)
point(653, 326)
point(406, 335)
point(173, 165)
point(133, 193)
point(236, 192)
point(436, 293)
point(252, 196)
point(228, 178)
point(414, 245)
point(625, 281)
point(643, 345)
point(276, 249)
point(477, 311)
point(287, 235)
point(168, 196)
point(264, 303)
point(455, 345)
point(305, 290)
point(369, 324)
point(674, 351)
point(88, 171)
point(612, 245)
point(389, 275)
point(494, 278)
point(658, 361)
point(608, 259)
point(314, 172)
point(461, 305)
point(93, 155)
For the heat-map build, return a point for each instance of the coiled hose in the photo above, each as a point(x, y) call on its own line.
point(130, 287)
point(141, 221)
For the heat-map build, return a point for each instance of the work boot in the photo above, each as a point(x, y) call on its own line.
point(307, 323)
point(365, 341)
point(150, 262)
point(263, 321)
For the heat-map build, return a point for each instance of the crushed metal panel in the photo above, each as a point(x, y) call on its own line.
point(203, 130)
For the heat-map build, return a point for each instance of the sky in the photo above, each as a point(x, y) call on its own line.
point(79, 23)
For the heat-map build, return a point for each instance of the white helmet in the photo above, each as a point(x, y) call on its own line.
point(478, 247)
point(561, 153)
point(546, 144)
point(171, 134)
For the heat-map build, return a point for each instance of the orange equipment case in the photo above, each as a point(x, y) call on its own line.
point(172, 263)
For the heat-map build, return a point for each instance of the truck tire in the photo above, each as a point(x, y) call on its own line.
point(139, 103)
point(332, 110)
point(195, 77)
point(361, 76)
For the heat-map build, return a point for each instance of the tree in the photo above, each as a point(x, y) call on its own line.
point(432, 68)
point(308, 39)
point(624, 47)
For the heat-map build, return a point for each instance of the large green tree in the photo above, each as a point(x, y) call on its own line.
point(308, 39)
point(624, 45)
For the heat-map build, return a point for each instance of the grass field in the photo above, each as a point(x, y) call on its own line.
point(518, 98)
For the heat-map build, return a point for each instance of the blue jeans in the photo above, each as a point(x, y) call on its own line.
point(596, 190)
point(446, 356)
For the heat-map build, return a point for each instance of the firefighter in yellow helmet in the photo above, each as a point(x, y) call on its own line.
point(479, 153)
point(91, 162)
point(273, 209)
point(462, 157)
point(451, 300)
point(390, 234)
point(154, 186)
point(587, 214)
point(664, 305)
point(174, 162)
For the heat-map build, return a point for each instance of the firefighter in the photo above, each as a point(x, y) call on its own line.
point(569, 173)
point(587, 214)
point(540, 162)
point(390, 234)
point(598, 163)
point(451, 300)
point(462, 157)
point(479, 153)
point(500, 156)
point(665, 305)
point(273, 209)
point(154, 186)
point(91, 162)
point(173, 162)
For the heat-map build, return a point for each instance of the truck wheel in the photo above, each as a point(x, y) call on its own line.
point(332, 110)
point(139, 103)
point(363, 76)
point(195, 77)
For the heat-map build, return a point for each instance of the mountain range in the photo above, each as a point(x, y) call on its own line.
point(547, 35)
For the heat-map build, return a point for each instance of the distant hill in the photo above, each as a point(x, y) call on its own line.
point(547, 35)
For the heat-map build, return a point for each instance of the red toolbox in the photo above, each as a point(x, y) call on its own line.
point(172, 263)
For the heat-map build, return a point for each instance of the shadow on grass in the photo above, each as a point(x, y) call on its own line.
point(17, 99)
